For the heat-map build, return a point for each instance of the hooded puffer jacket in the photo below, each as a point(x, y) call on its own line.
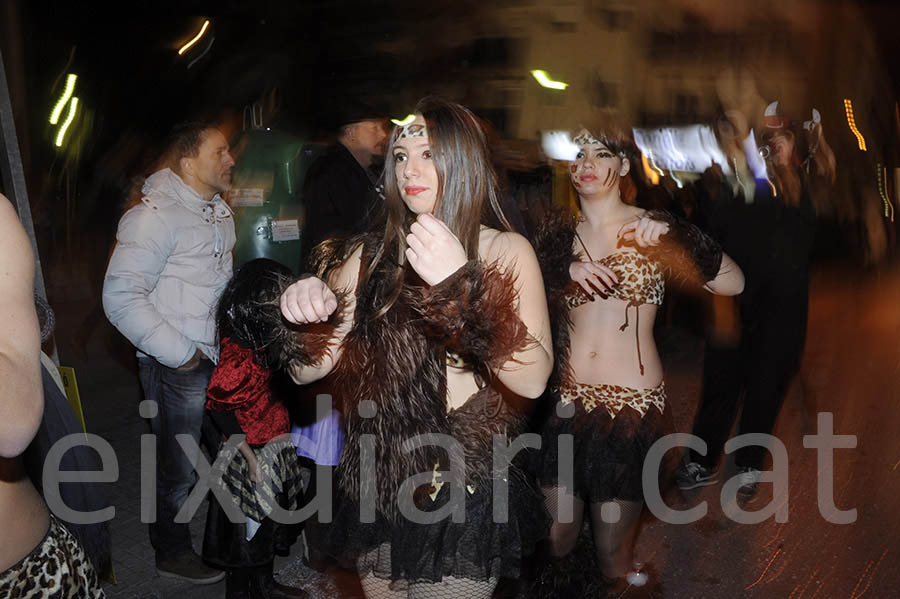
point(171, 262)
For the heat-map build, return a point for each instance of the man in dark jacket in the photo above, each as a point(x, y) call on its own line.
point(339, 190)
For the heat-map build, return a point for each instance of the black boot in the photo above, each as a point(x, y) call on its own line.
point(237, 583)
point(573, 575)
point(263, 586)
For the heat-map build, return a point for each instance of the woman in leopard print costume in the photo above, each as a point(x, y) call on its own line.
point(38, 556)
point(604, 278)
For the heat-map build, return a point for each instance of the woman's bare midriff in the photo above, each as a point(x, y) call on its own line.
point(24, 519)
point(601, 353)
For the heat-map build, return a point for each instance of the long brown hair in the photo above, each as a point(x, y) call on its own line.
point(467, 194)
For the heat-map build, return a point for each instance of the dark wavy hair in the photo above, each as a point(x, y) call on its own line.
point(249, 312)
point(468, 192)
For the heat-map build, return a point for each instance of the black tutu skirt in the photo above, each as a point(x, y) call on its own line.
point(480, 548)
point(225, 543)
point(612, 430)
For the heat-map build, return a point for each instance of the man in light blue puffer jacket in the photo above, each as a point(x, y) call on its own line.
point(171, 262)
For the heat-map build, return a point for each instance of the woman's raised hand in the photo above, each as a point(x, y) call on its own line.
point(644, 232)
point(308, 300)
point(593, 277)
point(433, 250)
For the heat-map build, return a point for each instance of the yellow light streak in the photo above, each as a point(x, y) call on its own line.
point(185, 47)
point(61, 103)
point(73, 106)
point(651, 174)
point(405, 121)
point(851, 121)
point(544, 80)
point(656, 168)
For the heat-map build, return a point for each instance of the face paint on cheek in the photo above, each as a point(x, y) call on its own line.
point(609, 177)
point(573, 168)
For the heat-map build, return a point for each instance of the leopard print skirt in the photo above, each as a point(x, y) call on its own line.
point(612, 428)
point(56, 568)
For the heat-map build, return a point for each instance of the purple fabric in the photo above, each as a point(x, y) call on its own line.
point(322, 441)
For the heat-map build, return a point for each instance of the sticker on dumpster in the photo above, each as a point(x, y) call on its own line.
point(285, 230)
point(246, 196)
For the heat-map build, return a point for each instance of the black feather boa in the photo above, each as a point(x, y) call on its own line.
point(553, 244)
point(685, 252)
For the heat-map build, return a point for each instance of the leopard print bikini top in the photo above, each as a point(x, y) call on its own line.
point(640, 282)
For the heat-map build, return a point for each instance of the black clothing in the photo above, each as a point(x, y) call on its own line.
point(338, 195)
point(396, 366)
point(58, 422)
point(772, 243)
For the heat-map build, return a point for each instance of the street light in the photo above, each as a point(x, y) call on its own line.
point(544, 80)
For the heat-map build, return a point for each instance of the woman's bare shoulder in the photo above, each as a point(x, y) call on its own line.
point(636, 211)
point(508, 249)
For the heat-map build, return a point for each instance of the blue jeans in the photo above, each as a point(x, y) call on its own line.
point(181, 399)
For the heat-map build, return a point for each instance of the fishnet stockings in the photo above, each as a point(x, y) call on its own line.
point(448, 588)
point(614, 540)
point(614, 524)
point(563, 534)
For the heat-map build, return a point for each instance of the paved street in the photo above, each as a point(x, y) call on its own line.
point(851, 370)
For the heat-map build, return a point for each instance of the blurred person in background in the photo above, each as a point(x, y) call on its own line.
point(601, 268)
point(766, 221)
point(264, 469)
point(339, 198)
point(39, 557)
point(169, 267)
point(339, 189)
point(435, 322)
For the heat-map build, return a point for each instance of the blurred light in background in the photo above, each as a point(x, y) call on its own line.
point(544, 80)
point(558, 146)
point(73, 107)
point(61, 103)
point(848, 108)
point(187, 46)
point(404, 121)
point(649, 172)
point(882, 189)
point(691, 149)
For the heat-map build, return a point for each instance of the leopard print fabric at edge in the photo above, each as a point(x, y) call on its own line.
point(613, 398)
point(57, 568)
point(640, 281)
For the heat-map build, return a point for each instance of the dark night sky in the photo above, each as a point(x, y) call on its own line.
point(132, 79)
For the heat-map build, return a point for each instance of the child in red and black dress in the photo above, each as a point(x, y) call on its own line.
point(261, 467)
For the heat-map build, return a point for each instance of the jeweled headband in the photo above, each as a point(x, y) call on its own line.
point(585, 137)
point(413, 130)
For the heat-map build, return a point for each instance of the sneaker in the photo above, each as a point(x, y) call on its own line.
point(188, 567)
point(691, 475)
point(749, 478)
